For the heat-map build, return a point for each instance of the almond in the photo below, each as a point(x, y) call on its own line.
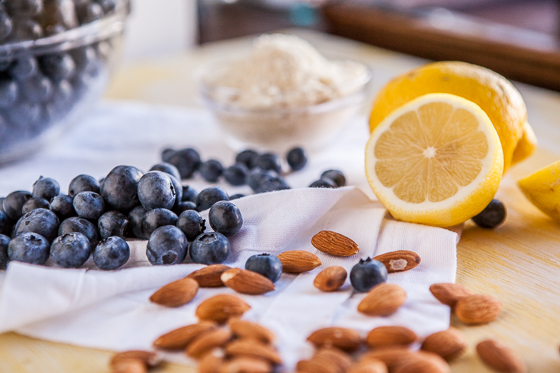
point(334, 243)
point(368, 366)
point(149, 358)
point(298, 261)
point(333, 357)
point(330, 279)
point(384, 336)
point(477, 309)
point(253, 348)
point(422, 362)
point(399, 261)
point(246, 365)
point(383, 300)
point(246, 282)
point(391, 356)
point(210, 363)
point(500, 357)
point(209, 276)
point(221, 307)
point(179, 338)
point(176, 294)
point(129, 366)
point(342, 338)
point(449, 344)
point(207, 342)
point(251, 330)
point(449, 294)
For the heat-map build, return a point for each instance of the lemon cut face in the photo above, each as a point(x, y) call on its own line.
point(542, 188)
point(436, 160)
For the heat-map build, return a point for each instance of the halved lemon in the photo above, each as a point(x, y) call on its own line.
point(436, 160)
point(542, 188)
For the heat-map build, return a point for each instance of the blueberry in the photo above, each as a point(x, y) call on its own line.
point(210, 248)
point(493, 215)
point(113, 223)
point(83, 183)
point(236, 196)
point(62, 206)
point(257, 176)
point(35, 203)
point(367, 273)
point(273, 184)
point(168, 168)
point(248, 158)
point(107, 5)
point(24, 7)
point(37, 89)
point(111, 253)
point(296, 158)
point(62, 97)
point(29, 247)
point(186, 160)
point(6, 24)
point(40, 221)
point(207, 197)
point(184, 206)
point(24, 67)
point(4, 259)
point(81, 225)
point(211, 170)
point(335, 175)
point(26, 29)
point(269, 161)
point(153, 219)
point(236, 174)
point(89, 205)
point(25, 114)
point(156, 190)
point(2, 203)
point(57, 66)
point(45, 188)
point(189, 194)
point(85, 59)
point(178, 190)
point(323, 183)
point(8, 93)
point(225, 218)
point(120, 188)
point(167, 245)
point(135, 217)
point(71, 250)
point(192, 224)
point(267, 265)
point(5, 223)
point(166, 154)
point(13, 203)
point(90, 13)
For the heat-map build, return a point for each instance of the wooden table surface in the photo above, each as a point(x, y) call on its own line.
point(519, 262)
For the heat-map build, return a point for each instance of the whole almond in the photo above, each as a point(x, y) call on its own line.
point(249, 330)
point(399, 261)
point(384, 336)
point(176, 294)
point(129, 366)
point(246, 365)
point(209, 276)
point(500, 357)
point(422, 362)
point(342, 338)
point(478, 309)
point(207, 342)
point(298, 261)
point(368, 366)
point(449, 344)
point(334, 243)
point(179, 338)
point(330, 279)
point(149, 358)
point(253, 348)
point(210, 363)
point(391, 356)
point(449, 293)
point(333, 357)
point(383, 300)
point(221, 307)
point(246, 282)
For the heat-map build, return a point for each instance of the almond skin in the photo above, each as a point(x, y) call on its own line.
point(368, 366)
point(330, 279)
point(449, 344)
point(478, 309)
point(179, 338)
point(334, 243)
point(209, 276)
point(326, 360)
point(221, 307)
point(209, 363)
point(246, 365)
point(342, 338)
point(298, 261)
point(383, 300)
point(500, 357)
point(391, 356)
point(253, 348)
point(449, 294)
point(176, 294)
point(249, 330)
point(149, 358)
point(399, 261)
point(422, 362)
point(384, 336)
point(246, 282)
point(129, 366)
point(207, 342)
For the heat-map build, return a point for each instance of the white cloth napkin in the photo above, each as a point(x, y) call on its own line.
point(111, 310)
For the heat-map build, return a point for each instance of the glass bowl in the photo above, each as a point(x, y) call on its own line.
point(46, 84)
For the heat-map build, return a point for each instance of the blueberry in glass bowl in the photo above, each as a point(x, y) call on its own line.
point(55, 61)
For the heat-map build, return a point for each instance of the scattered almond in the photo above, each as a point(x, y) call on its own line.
point(334, 243)
point(384, 336)
point(333, 357)
point(207, 342)
point(383, 300)
point(209, 276)
point(246, 282)
point(221, 307)
point(253, 348)
point(500, 357)
point(149, 358)
point(179, 338)
point(298, 261)
point(246, 365)
point(176, 294)
point(251, 330)
point(342, 338)
point(330, 279)
point(391, 356)
point(449, 293)
point(422, 362)
point(210, 363)
point(368, 366)
point(129, 366)
point(449, 344)
point(478, 309)
point(399, 261)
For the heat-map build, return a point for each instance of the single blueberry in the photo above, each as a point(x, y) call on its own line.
point(26, 29)
point(189, 194)
point(89, 205)
point(85, 59)
point(211, 170)
point(156, 190)
point(296, 158)
point(113, 223)
point(335, 175)
point(2, 203)
point(107, 5)
point(236, 174)
point(5, 223)
point(4, 259)
point(493, 215)
point(6, 25)
point(153, 219)
point(25, 115)
point(62, 205)
point(273, 184)
point(90, 13)
point(13, 203)
point(57, 66)
point(267, 265)
point(257, 176)
point(236, 196)
point(168, 168)
point(24, 7)
point(111, 253)
point(323, 183)
point(166, 154)
point(178, 190)
point(80, 225)
point(37, 89)
point(71, 250)
point(184, 206)
point(29, 247)
point(207, 197)
point(135, 217)
point(40, 221)
point(62, 97)
point(225, 218)
point(167, 245)
point(248, 158)
point(120, 188)
point(186, 160)
point(269, 161)
point(35, 203)
point(24, 68)
point(83, 183)
point(367, 273)
point(46, 188)
point(192, 224)
point(8, 93)
point(210, 248)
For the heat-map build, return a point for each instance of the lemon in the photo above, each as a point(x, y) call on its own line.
point(436, 160)
point(542, 188)
point(499, 99)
